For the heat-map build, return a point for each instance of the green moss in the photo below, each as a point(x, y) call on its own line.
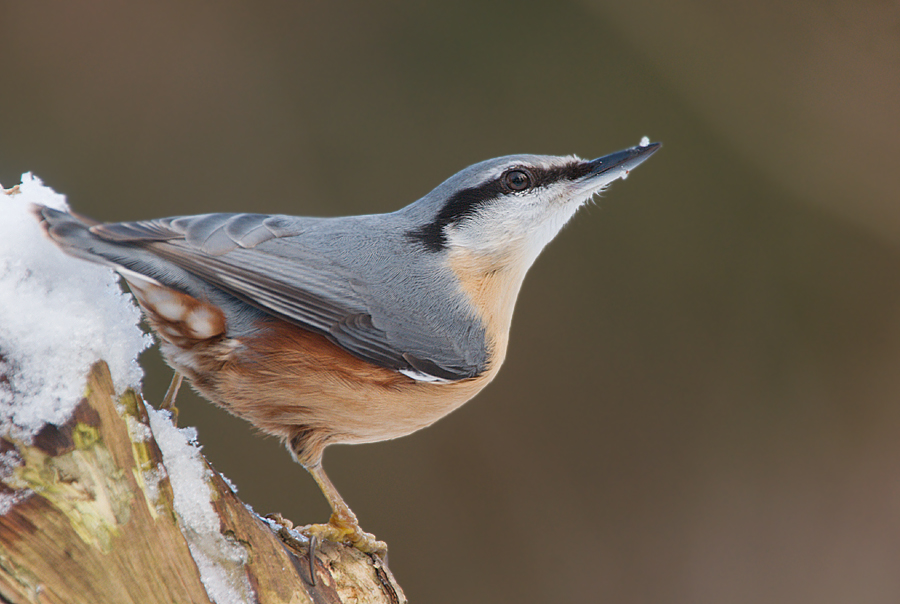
point(85, 436)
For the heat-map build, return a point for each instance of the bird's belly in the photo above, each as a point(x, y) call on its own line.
point(287, 378)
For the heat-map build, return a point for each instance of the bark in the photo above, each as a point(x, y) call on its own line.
point(85, 525)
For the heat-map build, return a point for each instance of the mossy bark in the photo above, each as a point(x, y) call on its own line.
point(86, 526)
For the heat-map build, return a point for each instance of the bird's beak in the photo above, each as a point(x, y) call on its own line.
point(608, 168)
point(619, 164)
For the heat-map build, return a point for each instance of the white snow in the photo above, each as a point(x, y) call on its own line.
point(645, 141)
point(152, 478)
point(220, 561)
point(58, 316)
point(9, 461)
point(139, 432)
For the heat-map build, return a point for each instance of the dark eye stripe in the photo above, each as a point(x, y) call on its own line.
point(569, 172)
point(465, 202)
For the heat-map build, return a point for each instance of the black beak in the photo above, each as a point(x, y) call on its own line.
point(627, 159)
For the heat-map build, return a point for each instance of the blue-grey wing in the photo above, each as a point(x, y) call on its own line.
point(267, 262)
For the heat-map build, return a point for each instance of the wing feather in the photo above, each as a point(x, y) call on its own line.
point(297, 284)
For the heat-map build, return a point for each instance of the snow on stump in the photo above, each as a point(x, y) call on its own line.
point(102, 498)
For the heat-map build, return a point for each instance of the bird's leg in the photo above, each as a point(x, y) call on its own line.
point(343, 527)
point(168, 402)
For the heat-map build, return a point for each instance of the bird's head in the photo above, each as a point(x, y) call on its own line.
point(503, 211)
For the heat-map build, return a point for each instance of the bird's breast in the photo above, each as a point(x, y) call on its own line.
point(284, 376)
point(491, 285)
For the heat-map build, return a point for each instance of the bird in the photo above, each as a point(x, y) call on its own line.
point(353, 329)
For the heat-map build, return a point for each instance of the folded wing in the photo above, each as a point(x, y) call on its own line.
point(262, 260)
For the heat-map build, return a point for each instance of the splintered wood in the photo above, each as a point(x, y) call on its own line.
point(90, 518)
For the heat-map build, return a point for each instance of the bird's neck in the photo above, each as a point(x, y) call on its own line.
point(492, 285)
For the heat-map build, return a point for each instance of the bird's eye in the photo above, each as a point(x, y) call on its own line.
point(517, 180)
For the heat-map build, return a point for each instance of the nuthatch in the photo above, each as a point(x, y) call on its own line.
point(354, 329)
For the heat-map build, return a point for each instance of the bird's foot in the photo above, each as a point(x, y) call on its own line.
point(168, 402)
point(345, 529)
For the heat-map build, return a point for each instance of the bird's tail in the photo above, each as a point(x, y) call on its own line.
point(71, 233)
point(178, 316)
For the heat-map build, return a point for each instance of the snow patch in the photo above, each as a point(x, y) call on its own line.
point(9, 461)
point(140, 433)
point(220, 561)
point(58, 316)
point(152, 479)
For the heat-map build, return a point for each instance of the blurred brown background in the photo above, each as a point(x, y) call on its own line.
point(700, 404)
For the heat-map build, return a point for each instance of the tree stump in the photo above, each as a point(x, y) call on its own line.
point(89, 516)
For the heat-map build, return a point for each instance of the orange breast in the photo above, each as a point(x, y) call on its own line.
point(288, 376)
point(290, 382)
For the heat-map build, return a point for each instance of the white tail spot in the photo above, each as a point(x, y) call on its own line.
point(203, 323)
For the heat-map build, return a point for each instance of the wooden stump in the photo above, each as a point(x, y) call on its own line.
point(90, 518)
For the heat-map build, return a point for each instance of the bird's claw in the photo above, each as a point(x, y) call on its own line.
point(346, 530)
